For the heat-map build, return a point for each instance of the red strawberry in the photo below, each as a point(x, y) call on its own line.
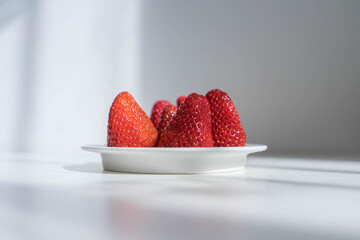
point(227, 130)
point(156, 111)
point(166, 115)
point(128, 124)
point(190, 126)
point(180, 100)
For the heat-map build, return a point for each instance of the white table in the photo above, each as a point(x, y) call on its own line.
point(71, 197)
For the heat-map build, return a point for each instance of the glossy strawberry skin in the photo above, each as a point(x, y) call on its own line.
point(227, 130)
point(190, 126)
point(156, 111)
point(166, 115)
point(180, 100)
point(128, 124)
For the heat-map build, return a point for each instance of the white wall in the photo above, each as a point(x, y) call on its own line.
point(63, 63)
point(291, 67)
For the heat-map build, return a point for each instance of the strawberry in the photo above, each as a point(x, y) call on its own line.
point(156, 111)
point(180, 100)
point(166, 115)
point(128, 124)
point(227, 130)
point(190, 126)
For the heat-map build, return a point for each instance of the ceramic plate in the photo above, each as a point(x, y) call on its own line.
point(174, 160)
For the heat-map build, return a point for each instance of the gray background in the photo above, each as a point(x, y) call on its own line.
point(292, 68)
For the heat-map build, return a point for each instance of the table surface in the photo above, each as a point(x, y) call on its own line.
point(72, 197)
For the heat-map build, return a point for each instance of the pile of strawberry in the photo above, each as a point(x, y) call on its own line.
point(197, 121)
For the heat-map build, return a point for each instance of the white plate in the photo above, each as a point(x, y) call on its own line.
point(174, 160)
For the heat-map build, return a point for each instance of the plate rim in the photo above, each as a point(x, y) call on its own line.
point(102, 148)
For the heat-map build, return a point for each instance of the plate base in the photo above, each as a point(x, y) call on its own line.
point(175, 160)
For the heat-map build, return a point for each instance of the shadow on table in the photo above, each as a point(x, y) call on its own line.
point(90, 167)
point(311, 169)
point(93, 167)
point(348, 164)
point(205, 183)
